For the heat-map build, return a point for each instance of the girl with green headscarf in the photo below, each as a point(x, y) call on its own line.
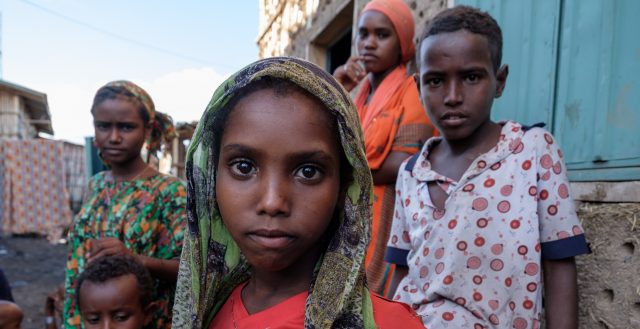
point(279, 206)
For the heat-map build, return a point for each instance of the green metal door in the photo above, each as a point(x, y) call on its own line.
point(575, 65)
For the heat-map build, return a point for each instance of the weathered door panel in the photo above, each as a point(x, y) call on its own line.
point(597, 112)
point(529, 31)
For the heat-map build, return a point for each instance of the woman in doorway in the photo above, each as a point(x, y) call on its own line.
point(394, 122)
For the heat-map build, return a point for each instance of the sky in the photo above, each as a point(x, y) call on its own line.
point(178, 51)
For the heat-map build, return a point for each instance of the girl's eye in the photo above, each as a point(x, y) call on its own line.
point(121, 317)
point(242, 168)
point(308, 172)
point(382, 35)
point(126, 127)
point(433, 82)
point(93, 319)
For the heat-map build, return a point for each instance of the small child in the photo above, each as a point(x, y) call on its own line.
point(115, 292)
point(483, 214)
point(279, 208)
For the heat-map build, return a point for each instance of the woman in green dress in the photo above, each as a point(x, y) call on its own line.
point(130, 209)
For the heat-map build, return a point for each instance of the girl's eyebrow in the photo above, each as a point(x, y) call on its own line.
point(315, 155)
point(238, 148)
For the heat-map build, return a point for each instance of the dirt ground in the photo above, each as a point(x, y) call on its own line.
point(34, 267)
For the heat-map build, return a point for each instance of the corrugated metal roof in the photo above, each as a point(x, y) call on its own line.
point(36, 105)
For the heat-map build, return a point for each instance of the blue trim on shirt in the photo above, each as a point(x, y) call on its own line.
point(565, 248)
point(535, 125)
point(396, 256)
point(412, 162)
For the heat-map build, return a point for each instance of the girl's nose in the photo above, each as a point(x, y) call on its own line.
point(115, 137)
point(369, 42)
point(274, 196)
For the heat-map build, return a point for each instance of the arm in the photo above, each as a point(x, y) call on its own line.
point(350, 73)
point(398, 274)
point(388, 172)
point(163, 269)
point(561, 293)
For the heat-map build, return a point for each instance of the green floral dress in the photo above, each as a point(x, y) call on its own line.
point(147, 214)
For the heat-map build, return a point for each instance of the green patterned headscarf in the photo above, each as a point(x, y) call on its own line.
point(212, 264)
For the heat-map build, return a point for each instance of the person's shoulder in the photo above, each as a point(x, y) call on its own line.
point(392, 314)
point(97, 179)
point(169, 185)
point(536, 133)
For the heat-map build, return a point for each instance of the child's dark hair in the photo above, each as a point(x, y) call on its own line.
point(114, 92)
point(472, 20)
point(111, 267)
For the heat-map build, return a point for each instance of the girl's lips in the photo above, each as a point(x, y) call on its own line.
point(369, 58)
point(271, 242)
point(112, 151)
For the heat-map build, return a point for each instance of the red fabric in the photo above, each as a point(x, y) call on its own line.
point(378, 142)
point(289, 314)
point(402, 19)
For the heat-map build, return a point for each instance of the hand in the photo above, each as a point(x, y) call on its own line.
point(107, 247)
point(53, 307)
point(350, 73)
point(55, 301)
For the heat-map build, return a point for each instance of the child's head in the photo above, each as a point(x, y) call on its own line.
point(385, 35)
point(472, 20)
point(276, 169)
point(115, 292)
point(460, 73)
point(124, 118)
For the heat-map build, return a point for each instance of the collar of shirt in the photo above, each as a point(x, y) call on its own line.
point(510, 142)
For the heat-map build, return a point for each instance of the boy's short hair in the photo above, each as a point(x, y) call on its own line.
point(472, 20)
point(111, 267)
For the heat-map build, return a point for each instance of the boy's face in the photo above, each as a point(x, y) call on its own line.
point(278, 179)
point(113, 304)
point(458, 82)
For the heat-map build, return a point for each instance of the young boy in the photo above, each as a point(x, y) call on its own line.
point(115, 292)
point(483, 212)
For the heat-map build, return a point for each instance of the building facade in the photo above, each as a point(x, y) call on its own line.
point(23, 112)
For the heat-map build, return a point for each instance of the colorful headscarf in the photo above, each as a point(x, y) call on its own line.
point(162, 129)
point(400, 16)
point(212, 264)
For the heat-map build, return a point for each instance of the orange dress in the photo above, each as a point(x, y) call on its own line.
point(393, 120)
point(289, 314)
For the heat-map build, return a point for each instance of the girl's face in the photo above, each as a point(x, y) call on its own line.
point(377, 42)
point(278, 179)
point(120, 131)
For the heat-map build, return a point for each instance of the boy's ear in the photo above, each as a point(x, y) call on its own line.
point(501, 78)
